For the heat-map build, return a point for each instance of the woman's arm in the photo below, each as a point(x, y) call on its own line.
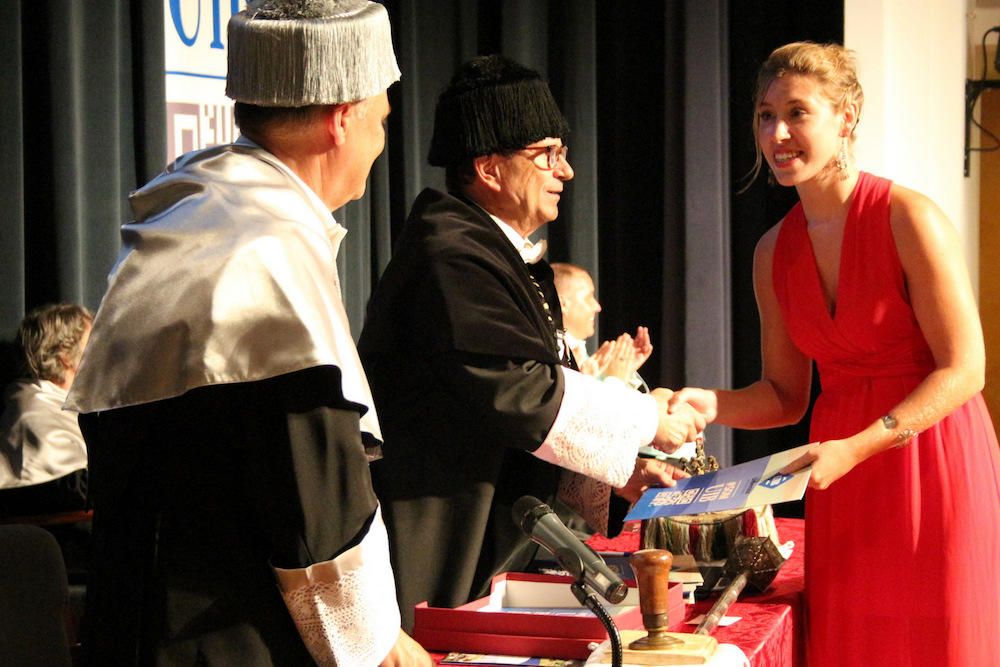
point(781, 396)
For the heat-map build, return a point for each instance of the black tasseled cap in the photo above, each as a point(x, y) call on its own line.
point(492, 105)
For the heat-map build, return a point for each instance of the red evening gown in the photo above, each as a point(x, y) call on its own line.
point(903, 552)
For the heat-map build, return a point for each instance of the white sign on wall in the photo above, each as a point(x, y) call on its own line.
point(199, 114)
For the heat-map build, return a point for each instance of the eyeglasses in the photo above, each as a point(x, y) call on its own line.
point(553, 154)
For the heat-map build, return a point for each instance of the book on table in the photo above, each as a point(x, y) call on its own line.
point(529, 615)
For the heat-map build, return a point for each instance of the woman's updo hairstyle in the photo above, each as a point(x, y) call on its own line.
point(831, 65)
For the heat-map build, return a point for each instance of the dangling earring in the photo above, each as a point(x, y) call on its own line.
point(842, 163)
point(770, 178)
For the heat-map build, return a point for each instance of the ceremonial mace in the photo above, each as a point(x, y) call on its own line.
point(754, 561)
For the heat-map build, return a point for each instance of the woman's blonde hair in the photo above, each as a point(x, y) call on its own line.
point(834, 68)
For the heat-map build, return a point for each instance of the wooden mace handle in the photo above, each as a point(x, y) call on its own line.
point(652, 574)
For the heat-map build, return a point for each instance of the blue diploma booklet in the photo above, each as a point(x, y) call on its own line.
point(749, 484)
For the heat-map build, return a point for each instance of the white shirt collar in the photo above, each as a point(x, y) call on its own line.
point(530, 252)
point(574, 342)
point(334, 229)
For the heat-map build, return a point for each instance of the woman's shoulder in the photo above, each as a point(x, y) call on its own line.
point(919, 227)
point(769, 240)
point(912, 212)
point(908, 201)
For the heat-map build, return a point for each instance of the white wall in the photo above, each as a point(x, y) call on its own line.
point(912, 65)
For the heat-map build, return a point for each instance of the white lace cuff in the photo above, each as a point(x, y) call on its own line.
point(587, 497)
point(345, 609)
point(599, 429)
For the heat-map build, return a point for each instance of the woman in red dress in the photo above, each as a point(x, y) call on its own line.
point(867, 279)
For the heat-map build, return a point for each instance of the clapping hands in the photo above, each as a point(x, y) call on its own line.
point(621, 357)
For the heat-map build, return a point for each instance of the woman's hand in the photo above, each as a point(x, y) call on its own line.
point(830, 461)
point(704, 401)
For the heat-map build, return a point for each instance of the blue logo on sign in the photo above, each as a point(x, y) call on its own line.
point(775, 480)
point(218, 23)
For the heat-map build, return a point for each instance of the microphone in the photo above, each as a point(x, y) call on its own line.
point(541, 524)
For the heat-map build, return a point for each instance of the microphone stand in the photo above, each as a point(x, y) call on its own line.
point(585, 597)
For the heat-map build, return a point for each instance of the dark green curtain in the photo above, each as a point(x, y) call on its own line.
point(615, 220)
point(82, 124)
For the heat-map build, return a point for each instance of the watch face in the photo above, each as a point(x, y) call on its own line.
point(889, 422)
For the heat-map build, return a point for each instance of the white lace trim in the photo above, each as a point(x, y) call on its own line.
point(587, 497)
point(345, 609)
point(599, 429)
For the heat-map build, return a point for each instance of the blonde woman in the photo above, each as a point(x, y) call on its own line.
point(866, 278)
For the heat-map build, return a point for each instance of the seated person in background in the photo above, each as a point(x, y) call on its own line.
point(43, 459)
point(620, 358)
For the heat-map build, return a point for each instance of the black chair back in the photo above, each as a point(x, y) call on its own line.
point(33, 598)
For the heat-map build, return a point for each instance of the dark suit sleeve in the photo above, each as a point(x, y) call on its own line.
point(277, 465)
point(516, 398)
point(317, 476)
point(198, 497)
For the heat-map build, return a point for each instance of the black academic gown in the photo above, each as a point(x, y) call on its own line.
point(464, 368)
point(199, 496)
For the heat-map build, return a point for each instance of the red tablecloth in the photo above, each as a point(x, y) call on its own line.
point(771, 629)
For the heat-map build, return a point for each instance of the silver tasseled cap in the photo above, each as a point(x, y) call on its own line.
point(293, 53)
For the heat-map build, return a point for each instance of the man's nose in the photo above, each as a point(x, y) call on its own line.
point(564, 171)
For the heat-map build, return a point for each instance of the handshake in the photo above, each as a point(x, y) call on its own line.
point(680, 421)
point(683, 416)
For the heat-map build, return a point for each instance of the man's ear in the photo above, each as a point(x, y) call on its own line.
point(488, 172)
point(338, 117)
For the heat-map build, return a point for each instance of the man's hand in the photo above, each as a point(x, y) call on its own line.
point(643, 347)
point(596, 364)
point(703, 400)
point(622, 358)
point(647, 473)
point(678, 424)
point(406, 652)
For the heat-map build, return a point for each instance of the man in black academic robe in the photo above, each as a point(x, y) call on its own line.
point(462, 345)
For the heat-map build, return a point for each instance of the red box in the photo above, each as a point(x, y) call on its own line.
point(480, 626)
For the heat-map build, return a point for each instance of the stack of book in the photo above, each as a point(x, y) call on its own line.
point(529, 615)
point(685, 571)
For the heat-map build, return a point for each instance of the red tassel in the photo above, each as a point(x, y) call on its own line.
point(750, 523)
point(694, 536)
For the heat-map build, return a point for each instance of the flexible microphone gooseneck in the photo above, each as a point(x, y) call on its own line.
point(541, 524)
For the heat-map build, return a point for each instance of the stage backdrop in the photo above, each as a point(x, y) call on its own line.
point(100, 95)
point(198, 112)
